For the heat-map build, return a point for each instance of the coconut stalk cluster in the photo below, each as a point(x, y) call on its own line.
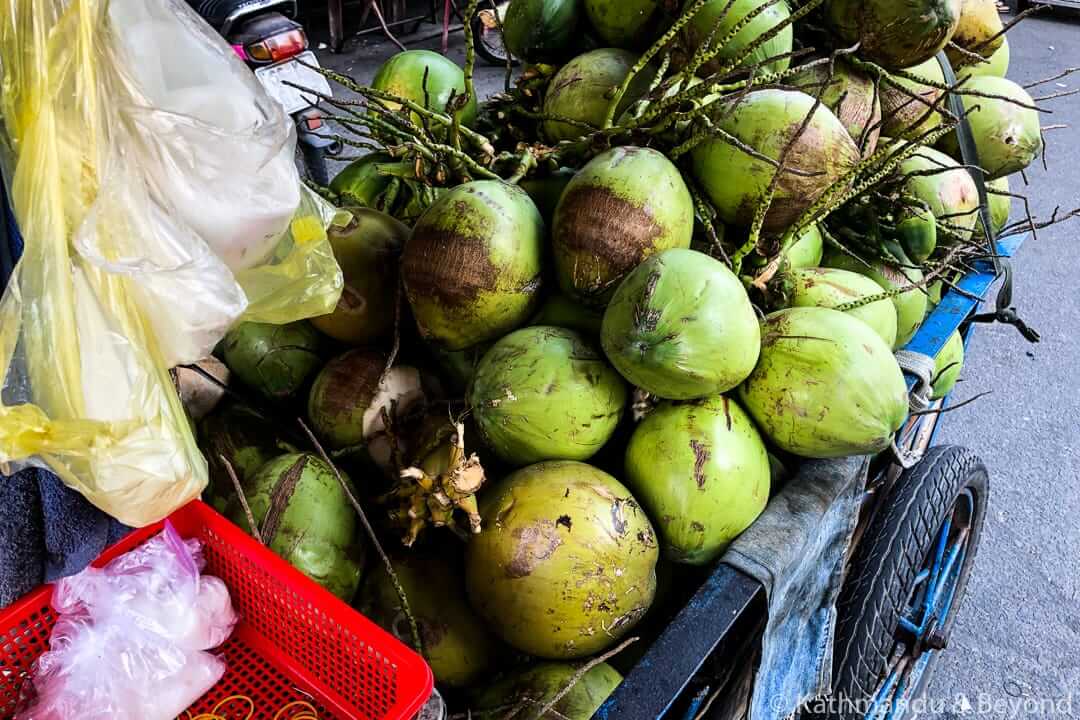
point(590, 323)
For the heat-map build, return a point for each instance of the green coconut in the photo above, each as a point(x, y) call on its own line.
point(979, 31)
point(275, 360)
point(996, 66)
point(718, 18)
point(347, 399)
point(916, 231)
point(545, 191)
point(947, 366)
point(700, 468)
point(895, 34)
point(237, 435)
point(546, 393)
point(539, 684)
point(561, 311)
point(541, 30)
point(850, 95)
point(360, 184)
point(910, 305)
point(807, 250)
point(907, 109)
point(1000, 206)
point(472, 265)
point(457, 646)
point(624, 206)
point(367, 246)
point(582, 89)
point(625, 23)
point(767, 120)
point(830, 288)
point(1008, 136)
point(826, 385)
point(403, 75)
point(305, 517)
point(681, 326)
point(946, 188)
point(566, 562)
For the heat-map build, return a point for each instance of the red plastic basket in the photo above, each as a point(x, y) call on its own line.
point(295, 641)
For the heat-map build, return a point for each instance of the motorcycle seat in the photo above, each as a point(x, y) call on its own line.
point(222, 15)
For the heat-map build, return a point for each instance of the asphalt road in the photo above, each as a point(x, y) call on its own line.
point(1018, 634)
point(1015, 652)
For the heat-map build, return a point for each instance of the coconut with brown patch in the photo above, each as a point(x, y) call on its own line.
point(768, 121)
point(702, 469)
point(566, 562)
point(909, 104)
point(347, 399)
point(851, 96)
point(303, 515)
point(624, 206)
point(472, 266)
point(894, 33)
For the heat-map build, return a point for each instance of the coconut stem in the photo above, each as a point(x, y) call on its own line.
point(252, 525)
point(1009, 26)
point(706, 213)
point(646, 58)
point(708, 56)
point(1066, 73)
point(414, 629)
point(470, 65)
point(370, 93)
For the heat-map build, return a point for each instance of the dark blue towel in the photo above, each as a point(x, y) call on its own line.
point(47, 530)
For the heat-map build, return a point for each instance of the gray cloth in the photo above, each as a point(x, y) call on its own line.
point(797, 550)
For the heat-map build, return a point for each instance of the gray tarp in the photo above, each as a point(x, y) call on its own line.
point(797, 550)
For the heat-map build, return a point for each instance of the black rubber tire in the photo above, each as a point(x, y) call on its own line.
point(493, 55)
point(315, 163)
point(894, 548)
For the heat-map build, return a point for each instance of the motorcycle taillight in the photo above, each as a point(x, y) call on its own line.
point(278, 47)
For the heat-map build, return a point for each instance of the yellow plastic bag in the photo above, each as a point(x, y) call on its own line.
point(135, 258)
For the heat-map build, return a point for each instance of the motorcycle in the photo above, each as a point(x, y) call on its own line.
point(266, 37)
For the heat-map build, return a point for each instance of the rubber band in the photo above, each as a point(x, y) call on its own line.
point(304, 710)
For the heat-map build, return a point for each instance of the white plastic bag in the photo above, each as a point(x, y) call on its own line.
point(131, 638)
point(154, 182)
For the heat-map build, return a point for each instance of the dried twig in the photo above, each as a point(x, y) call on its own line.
point(414, 629)
point(585, 669)
point(254, 526)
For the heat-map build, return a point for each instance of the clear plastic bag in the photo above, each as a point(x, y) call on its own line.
point(131, 640)
point(154, 182)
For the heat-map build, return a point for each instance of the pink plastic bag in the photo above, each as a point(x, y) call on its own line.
point(131, 640)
